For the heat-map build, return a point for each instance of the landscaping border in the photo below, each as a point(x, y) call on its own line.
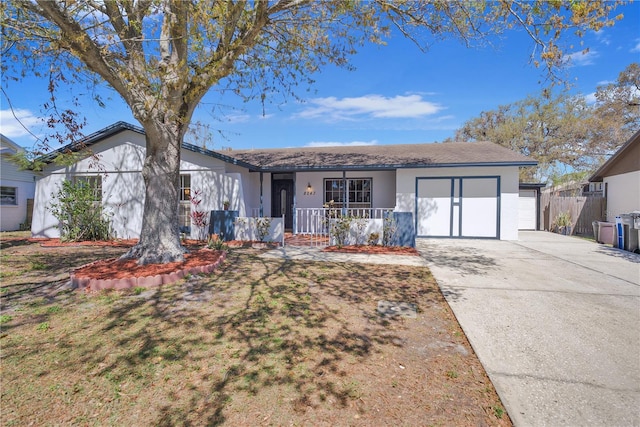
point(143, 282)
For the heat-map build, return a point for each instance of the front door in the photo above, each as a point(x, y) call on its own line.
point(282, 200)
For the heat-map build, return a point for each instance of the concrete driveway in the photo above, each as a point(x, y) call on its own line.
point(555, 321)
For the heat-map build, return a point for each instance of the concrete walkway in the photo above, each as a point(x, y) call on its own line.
point(555, 321)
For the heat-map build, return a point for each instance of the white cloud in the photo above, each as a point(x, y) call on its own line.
point(238, 118)
point(603, 37)
point(636, 48)
point(590, 98)
point(371, 106)
point(14, 126)
point(579, 59)
point(340, 144)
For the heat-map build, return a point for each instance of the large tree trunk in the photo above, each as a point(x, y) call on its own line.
point(160, 234)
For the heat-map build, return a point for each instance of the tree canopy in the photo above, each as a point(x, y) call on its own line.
point(563, 132)
point(163, 56)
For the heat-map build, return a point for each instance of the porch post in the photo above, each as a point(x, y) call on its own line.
point(294, 219)
point(261, 206)
point(345, 196)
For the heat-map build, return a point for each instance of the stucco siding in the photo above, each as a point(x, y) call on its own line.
point(118, 160)
point(623, 194)
point(382, 187)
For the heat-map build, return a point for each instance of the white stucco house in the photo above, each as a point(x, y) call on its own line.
point(451, 190)
point(17, 189)
point(620, 178)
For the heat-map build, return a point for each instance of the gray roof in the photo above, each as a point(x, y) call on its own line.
point(370, 157)
point(382, 156)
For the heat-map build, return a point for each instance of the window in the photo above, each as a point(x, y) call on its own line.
point(358, 194)
point(184, 209)
point(93, 182)
point(8, 196)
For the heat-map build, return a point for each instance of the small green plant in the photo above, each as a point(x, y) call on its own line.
point(215, 242)
point(54, 309)
point(78, 208)
point(373, 239)
point(138, 290)
point(562, 222)
point(44, 326)
point(4, 318)
point(263, 227)
point(498, 411)
point(563, 219)
point(452, 374)
point(37, 265)
point(352, 389)
point(340, 229)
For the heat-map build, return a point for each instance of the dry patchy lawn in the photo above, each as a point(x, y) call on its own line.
point(260, 342)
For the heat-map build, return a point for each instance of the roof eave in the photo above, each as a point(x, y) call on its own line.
point(281, 169)
point(598, 176)
point(91, 139)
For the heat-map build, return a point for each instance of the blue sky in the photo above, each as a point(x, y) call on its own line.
point(397, 94)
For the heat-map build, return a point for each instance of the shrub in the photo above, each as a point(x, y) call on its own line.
point(199, 218)
point(340, 229)
point(263, 227)
point(373, 239)
point(81, 217)
point(215, 242)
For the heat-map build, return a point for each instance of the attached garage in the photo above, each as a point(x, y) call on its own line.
point(458, 206)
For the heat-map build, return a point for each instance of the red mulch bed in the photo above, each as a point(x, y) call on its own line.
point(122, 269)
point(371, 249)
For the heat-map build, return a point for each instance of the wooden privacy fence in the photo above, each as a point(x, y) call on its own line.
point(582, 210)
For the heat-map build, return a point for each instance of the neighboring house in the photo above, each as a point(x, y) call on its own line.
point(16, 189)
point(451, 189)
point(573, 189)
point(620, 176)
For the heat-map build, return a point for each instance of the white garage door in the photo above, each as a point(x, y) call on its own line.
point(458, 207)
point(527, 210)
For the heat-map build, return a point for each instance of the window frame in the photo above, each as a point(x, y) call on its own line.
point(352, 190)
point(94, 182)
point(184, 203)
point(2, 195)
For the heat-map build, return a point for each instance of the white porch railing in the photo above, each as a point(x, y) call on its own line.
point(316, 220)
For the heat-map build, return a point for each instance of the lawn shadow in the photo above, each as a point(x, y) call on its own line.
point(288, 326)
point(14, 243)
point(465, 261)
point(619, 253)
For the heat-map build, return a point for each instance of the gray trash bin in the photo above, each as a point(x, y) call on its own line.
point(630, 233)
point(596, 229)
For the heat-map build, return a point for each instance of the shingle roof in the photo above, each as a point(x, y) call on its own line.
point(382, 156)
point(340, 158)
